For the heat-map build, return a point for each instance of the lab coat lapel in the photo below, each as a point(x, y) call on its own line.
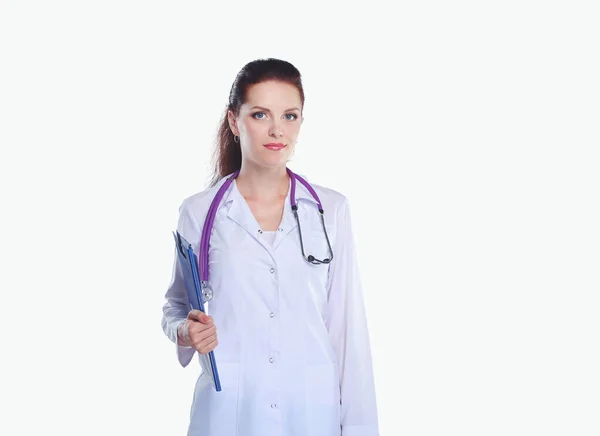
point(241, 213)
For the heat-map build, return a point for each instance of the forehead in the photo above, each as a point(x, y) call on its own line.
point(273, 95)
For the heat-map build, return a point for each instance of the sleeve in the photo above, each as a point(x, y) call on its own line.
point(348, 331)
point(176, 307)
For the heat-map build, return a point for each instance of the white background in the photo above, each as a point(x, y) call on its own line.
point(465, 135)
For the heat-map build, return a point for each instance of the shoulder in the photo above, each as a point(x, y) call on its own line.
point(335, 204)
point(336, 208)
point(192, 214)
point(331, 199)
point(197, 204)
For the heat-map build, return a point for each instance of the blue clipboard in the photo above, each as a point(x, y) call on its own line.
point(189, 267)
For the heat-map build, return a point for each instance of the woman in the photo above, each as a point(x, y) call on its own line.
point(293, 352)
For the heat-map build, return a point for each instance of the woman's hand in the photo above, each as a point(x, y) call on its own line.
point(198, 331)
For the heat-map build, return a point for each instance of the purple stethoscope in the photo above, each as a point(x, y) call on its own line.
point(210, 218)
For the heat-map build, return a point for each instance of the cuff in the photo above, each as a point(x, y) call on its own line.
point(185, 353)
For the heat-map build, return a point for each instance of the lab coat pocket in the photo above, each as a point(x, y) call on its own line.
point(317, 274)
point(316, 243)
point(215, 413)
point(322, 399)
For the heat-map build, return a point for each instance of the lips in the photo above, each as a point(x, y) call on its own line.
point(275, 146)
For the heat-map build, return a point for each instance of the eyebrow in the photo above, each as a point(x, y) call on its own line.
point(265, 109)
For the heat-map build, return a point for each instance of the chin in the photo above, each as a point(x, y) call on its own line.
point(274, 163)
point(271, 160)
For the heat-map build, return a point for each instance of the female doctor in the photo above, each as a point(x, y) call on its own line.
point(286, 319)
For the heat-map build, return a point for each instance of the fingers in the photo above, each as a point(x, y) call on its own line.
point(198, 315)
point(208, 344)
point(199, 332)
point(206, 340)
point(203, 337)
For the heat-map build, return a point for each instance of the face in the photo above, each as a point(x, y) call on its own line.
point(268, 123)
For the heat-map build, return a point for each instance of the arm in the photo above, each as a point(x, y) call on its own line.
point(176, 308)
point(347, 326)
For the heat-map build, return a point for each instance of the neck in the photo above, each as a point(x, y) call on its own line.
point(262, 183)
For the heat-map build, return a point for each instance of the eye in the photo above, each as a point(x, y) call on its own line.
point(293, 115)
point(256, 113)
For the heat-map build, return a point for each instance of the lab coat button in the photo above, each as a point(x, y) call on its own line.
point(271, 314)
point(272, 270)
point(271, 359)
point(273, 406)
point(259, 231)
point(280, 229)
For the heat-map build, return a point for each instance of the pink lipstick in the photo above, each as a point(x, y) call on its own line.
point(275, 146)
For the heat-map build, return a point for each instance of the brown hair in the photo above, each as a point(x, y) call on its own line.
point(227, 157)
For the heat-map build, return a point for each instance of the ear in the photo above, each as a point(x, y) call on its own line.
point(232, 123)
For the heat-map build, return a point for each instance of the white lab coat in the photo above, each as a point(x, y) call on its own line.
point(294, 355)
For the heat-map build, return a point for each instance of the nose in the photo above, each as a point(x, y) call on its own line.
point(276, 130)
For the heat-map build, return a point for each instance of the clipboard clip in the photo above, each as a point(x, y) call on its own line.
point(179, 243)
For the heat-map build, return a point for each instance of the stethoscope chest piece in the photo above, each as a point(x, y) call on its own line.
point(207, 293)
